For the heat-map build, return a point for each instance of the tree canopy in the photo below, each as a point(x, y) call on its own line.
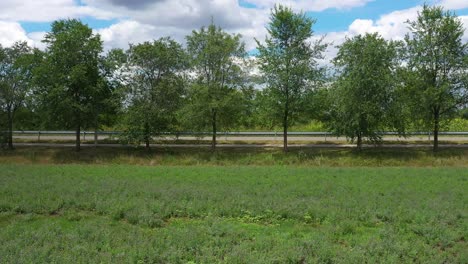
point(15, 82)
point(156, 88)
point(363, 98)
point(69, 75)
point(437, 67)
point(289, 63)
point(216, 58)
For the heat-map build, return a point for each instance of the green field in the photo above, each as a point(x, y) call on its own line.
point(233, 214)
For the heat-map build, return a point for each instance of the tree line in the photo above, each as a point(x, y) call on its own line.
point(375, 85)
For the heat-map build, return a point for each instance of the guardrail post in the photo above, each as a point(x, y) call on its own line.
point(95, 138)
point(39, 136)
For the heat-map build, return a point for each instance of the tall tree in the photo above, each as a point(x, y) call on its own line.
point(69, 75)
point(157, 86)
point(15, 81)
point(288, 61)
point(437, 67)
point(364, 98)
point(216, 57)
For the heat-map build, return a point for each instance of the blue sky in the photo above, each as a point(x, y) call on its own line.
point(339, 20)
point(45, 26)
point(120, 22)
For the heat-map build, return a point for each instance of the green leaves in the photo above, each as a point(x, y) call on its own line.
point(156, 88)
point(288, 61)
point(364, 96)
point(437, 65)
point(70, 81)
point(71, 65)
point(216, 59)
point(15, 83)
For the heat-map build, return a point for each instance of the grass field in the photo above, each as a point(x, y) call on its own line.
point(232, 214)
point(375, 157)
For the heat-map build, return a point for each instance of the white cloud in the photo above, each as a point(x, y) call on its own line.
point(47, 10)
point(10, 32)
point(178, 18)
point(181, 13)
point(129, 31)
point(464, 20)
point(121, 34)
point(453, 4)
point(311, 5)
point(391, 26)
point(36, 38)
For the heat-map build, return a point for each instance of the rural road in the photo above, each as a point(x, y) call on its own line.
point(247, 142)
point(70, 145)
point(258, 139)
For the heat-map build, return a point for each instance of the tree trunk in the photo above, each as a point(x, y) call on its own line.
point(10, 130)
point(359, 142)
point(436, 132)
point(95, 137)
point(78, 139)
point(147, 136)
point(213, 123)
point(285, 130)
point(147, 143)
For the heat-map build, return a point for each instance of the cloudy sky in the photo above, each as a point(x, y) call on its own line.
point(120, 22)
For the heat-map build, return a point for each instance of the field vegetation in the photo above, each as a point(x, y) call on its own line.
point(181, 156)
point(234, 214)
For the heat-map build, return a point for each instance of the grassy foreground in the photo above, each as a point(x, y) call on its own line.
point(235, 214)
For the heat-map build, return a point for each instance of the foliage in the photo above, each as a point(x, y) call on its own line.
point(232, 214)
point(363, 100)
point(156, 88)
point(110, 93)
point(457, 124)
point(437, 78)
point(214, 96)
point(69, 76)
point(15, 82)
point(289, 64)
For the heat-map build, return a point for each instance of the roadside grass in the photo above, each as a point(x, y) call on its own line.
point(339, 157)
point(232, 214)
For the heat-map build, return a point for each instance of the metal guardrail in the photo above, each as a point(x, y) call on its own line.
point(187, 133)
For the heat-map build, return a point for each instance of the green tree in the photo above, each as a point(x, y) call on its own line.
point(288, 61)
point(437, 67)
point(216, 59)
point(69, 76)
point(156, 88)
point(364, 98)
point(110, 93)
point(15, 82)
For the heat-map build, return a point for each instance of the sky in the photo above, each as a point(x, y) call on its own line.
point(120, 22)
